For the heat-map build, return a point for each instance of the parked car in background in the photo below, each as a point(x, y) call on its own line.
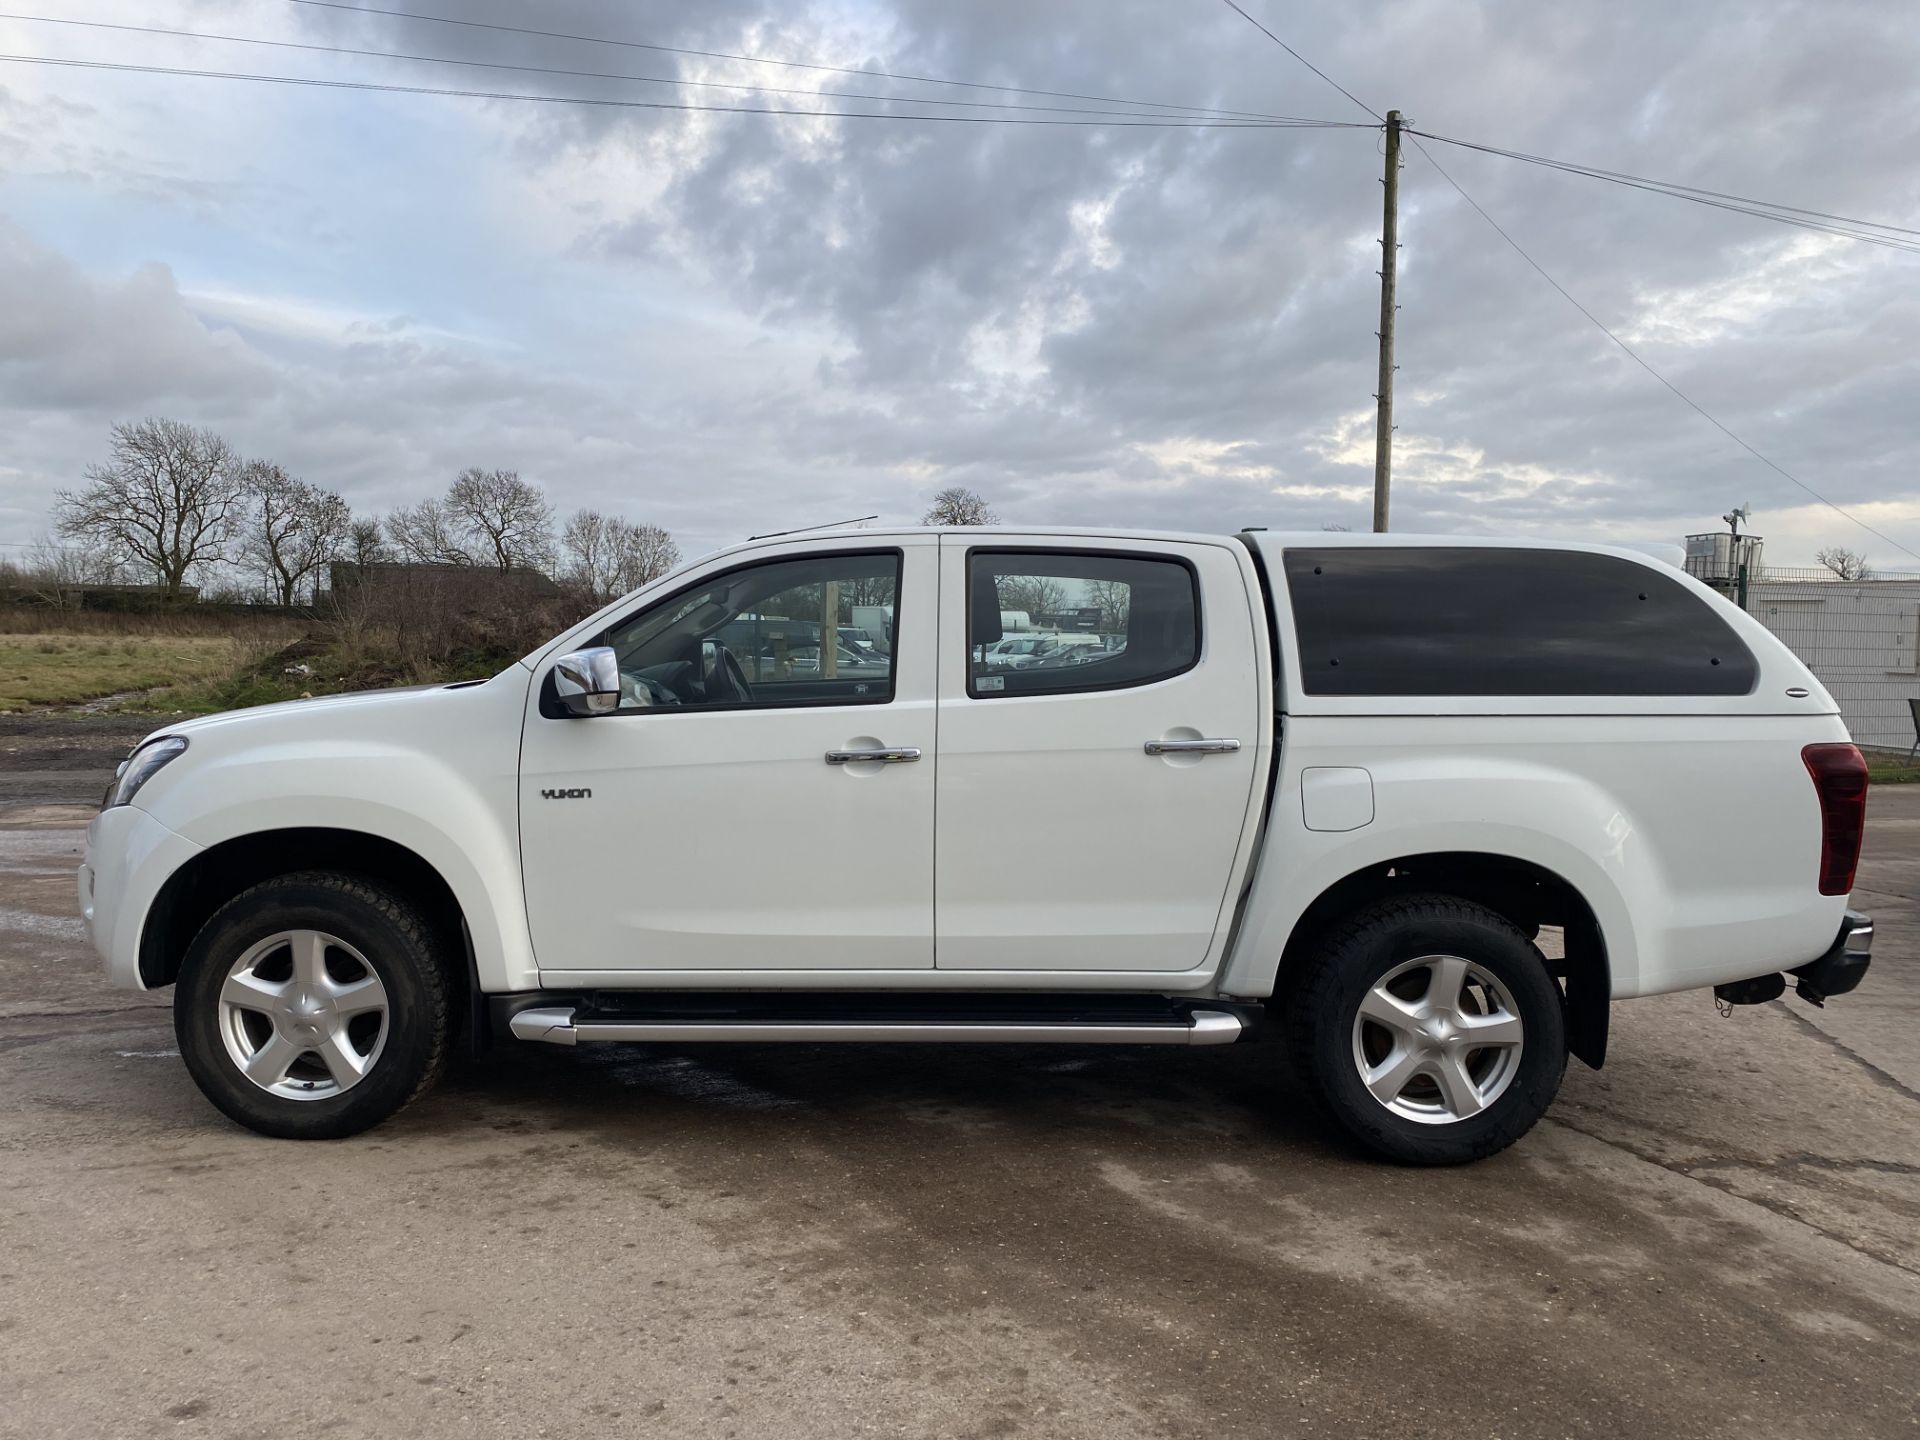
point(1070, 649)
point(1017, 652)
point(858, 641)
point(1331, 792)
point(849, 661)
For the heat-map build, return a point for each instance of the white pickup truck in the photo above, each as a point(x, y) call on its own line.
point(1330, 786)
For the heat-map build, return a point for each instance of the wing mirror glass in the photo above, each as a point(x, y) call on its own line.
point(587, 682)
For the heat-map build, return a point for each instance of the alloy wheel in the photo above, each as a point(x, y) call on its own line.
point(303, 1015)
point(1437, 1039)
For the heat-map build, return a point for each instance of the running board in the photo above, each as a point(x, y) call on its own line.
point(557, 1026)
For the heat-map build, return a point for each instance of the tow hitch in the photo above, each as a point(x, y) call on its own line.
point(1834, 973)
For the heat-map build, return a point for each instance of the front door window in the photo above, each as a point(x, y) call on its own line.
point(772, 634)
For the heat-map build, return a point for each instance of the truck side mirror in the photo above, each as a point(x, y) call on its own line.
point(587, 682)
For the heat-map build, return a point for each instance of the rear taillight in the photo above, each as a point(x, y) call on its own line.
point(1840, 780)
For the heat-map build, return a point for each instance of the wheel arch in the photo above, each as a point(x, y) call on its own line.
point(192, 893)
point(1523, 891)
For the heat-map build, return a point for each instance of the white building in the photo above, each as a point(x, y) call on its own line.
point(1861, 637)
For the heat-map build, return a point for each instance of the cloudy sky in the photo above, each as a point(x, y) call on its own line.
point(730, 323)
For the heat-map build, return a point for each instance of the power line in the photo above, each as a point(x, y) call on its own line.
point(1806, 219)
point(1171, 122)
point(1566, 294)
point(579, 74)
point(766, 60)
point(1644, 364)
point(1596, 171)
point(1234, 6)
point(1818, 220)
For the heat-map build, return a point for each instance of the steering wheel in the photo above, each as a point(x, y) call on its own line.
point(723, 679)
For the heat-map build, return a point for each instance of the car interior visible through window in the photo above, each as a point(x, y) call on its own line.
point(1062, 621)
point(779, 633)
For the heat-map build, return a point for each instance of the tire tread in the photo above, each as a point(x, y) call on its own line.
point(1310, 1003)
point(421, 937)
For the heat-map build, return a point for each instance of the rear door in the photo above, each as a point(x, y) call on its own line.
point(1093, 801)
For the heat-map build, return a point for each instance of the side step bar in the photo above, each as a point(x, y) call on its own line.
point(557, 1026)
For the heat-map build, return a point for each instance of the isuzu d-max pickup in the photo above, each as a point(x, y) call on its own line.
point(1324, 789)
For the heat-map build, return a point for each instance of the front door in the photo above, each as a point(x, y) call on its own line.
point(1094, 785)
point(724, 818)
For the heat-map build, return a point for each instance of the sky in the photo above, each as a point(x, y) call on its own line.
point(728, 324)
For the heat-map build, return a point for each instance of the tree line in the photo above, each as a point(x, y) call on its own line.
point(172, 501)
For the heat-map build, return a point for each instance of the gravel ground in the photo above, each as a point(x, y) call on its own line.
point(1717, 1235)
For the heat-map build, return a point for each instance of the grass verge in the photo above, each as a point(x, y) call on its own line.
point(1892, 770)
point(68, 669)
point(301, 670)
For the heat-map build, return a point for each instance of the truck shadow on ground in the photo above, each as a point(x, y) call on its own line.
point(1020, 1093)
point(1042, 1187)
point(1163, 1218)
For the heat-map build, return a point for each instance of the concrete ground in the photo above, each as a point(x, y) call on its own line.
point(1717, 1235)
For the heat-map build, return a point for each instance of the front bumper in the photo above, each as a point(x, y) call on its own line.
point(1842, 967)
point(129, 856)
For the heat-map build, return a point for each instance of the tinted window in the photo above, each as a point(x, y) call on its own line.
point(777, 633)
point(1411, 621)
point(1048, 622)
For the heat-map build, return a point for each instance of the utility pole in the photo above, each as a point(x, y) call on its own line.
point(830, 630)
point(1736, 567)
point(1389, 264)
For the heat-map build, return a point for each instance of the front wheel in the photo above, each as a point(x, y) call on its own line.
point(313, 1006)
point(1430, 1028)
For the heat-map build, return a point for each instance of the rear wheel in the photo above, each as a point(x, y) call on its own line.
point(313, 1006)
point(1430, 1028)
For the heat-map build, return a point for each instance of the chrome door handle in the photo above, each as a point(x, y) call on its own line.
point(1192, 747)
point(886, 756)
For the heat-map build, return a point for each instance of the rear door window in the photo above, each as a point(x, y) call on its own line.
point(1455, 620)
point(1049, 622)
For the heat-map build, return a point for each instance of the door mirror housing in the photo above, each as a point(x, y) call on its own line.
point(587, 682)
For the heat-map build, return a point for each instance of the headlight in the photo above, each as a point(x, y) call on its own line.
point(143, 765)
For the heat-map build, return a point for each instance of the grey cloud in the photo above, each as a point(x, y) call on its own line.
point(66, 343)
point(978, 330)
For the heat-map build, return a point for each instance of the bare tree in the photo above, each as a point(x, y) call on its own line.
point(608, 556)
point(1113, 598)
point(169, 496)
point(1036, 594)
point(507, 520)
point(366, 545)
point(290, 528)
point(355, 600)
point(426, 534)
point(646, 552)
point(863, 591)
point(589, 549)
point(957, 505)
point(1847, 564)
point(60, 575)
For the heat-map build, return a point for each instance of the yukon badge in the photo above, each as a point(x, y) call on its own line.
point(566, 794)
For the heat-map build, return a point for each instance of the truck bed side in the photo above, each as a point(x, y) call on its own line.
point(1687, 824)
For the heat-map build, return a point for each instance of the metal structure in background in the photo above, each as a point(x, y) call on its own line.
point(1725, 560)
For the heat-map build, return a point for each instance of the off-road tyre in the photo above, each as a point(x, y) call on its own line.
point(1319, 1004)
point(396, 942)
